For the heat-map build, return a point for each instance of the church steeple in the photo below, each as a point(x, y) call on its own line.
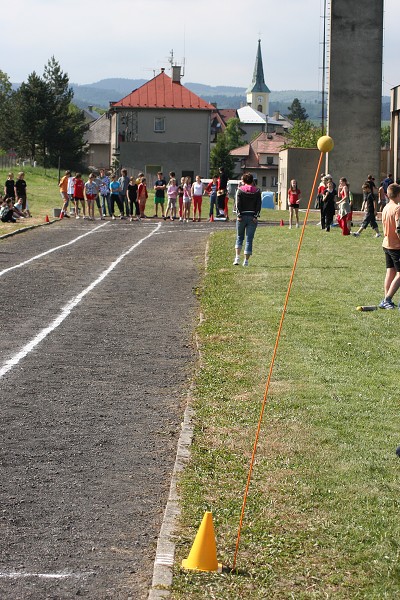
point(258, 92)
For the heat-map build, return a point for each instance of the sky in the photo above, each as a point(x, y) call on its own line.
point(218, 40)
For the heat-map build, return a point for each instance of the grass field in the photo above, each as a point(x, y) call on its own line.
point(322, 512)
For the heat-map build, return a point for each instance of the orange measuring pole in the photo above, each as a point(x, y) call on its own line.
point(325, 144)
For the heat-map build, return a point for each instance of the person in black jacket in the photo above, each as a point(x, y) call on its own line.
point(248, 207)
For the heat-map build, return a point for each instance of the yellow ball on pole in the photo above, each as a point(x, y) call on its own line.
point(325, 143)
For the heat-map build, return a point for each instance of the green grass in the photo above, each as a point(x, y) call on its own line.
point(322, 512)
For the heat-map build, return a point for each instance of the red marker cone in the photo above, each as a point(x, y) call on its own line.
point(47, 220)
point(282, 224)
point(212, 217)
point(61, 215)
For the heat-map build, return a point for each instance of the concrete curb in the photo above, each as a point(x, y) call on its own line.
point(165, 553)
point(24, 229)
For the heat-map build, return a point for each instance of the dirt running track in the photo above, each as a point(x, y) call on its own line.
point(92, 413)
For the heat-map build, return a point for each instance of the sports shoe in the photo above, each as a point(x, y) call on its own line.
point(386, 304)
point(355, 233)
point(297, 225)
point(378, 235)
point(237, 260)
point(113, 217)
point(245, 262)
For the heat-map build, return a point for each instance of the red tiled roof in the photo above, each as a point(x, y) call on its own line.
point(241, 151)
point(162, 92)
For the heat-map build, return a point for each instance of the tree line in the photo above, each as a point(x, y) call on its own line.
point(39, 121)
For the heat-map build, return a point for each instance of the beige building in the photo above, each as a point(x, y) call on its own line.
point(161, 126)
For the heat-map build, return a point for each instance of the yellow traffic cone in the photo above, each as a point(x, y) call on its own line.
point(203, 555)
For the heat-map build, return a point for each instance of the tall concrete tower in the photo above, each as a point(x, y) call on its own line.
point(355, 90)
point(257, 93)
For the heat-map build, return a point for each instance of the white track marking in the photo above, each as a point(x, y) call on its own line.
point(61, 575)
point(51, 250)
point(66, 310)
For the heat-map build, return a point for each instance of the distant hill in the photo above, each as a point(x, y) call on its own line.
point(101, 93)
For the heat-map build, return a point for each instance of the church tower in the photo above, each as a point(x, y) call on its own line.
point(258, 93)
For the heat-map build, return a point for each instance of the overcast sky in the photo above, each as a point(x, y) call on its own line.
point(131, 39)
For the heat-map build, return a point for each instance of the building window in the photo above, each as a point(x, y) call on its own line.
point(264, 182)
point(274, 181)
point(270, 160)
point(159, 124)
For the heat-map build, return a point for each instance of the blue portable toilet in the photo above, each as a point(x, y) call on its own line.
point(267, 200)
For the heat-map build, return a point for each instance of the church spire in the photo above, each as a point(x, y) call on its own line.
point(258, 84)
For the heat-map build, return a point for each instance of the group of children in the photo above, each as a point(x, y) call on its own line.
point(14, 203)
point(327, 204)
point(130, 194)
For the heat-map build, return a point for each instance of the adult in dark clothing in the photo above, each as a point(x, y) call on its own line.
point(327, 206)
point(248, 207)
point(9, 187)
point(222, 190)
point(20, 189)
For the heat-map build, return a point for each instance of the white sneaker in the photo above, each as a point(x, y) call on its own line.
point(180, 218)
point(297, 225)
point(378, 235)
point(77, 217)
point(245, 262)
point(113, 217)
point(237, 260)
point(290, 227)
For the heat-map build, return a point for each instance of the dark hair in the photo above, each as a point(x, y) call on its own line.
point(247, 178)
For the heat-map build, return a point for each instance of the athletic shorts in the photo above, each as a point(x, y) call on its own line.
point(392, 259)
point(294, 205)
point(159, 200)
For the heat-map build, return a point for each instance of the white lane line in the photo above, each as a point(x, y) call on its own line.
point(66, 310)
point(62, 575)
point(51, 250)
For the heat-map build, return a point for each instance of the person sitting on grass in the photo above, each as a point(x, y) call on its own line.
point(370, 209)
point(6, 211)
point(391, 245)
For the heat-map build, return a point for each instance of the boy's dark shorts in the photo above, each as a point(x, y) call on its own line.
point(392, 259)
point(369, 220)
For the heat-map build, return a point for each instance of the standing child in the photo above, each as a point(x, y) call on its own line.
point(294, 197)
point(327, 206)
point(172, 193)
point(370, 210)
point(180, 198)
point(197, 195)
point(211, 190)
point(91, 192)
point(142, 196)
point(63, 186)
point(187, 199)
point(391, 245)
point(131, 193)
point(79, 187)
point(345, 212)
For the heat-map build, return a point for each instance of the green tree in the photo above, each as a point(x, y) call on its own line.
point(296, 111)
point(7, 113)
point(49, 126)
point(233, 134)
point(33, 109)
point(385, 136)
point(67, 124)
point(302, 135)
point(231, 138)
point(220, 157)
